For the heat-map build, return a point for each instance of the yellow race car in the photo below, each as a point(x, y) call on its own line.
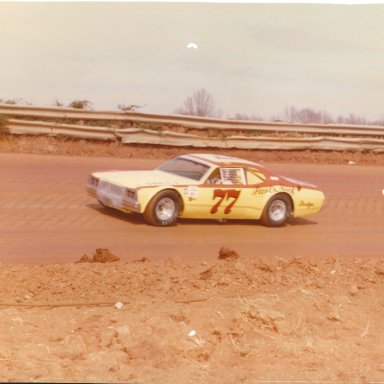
point(206, 186)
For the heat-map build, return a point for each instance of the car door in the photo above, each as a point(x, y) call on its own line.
point(225, 194)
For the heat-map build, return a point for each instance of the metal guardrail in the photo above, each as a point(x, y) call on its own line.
point(27, 120)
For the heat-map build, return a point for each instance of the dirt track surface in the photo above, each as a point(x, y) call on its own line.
point(47, 216)
point(157, 305)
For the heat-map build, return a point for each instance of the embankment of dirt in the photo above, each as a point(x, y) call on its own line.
point(230, 321)
point(73, 147)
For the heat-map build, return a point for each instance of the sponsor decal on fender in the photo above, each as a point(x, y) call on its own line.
point(306, 204)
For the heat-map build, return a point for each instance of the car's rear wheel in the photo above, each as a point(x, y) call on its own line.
point(163, 210)
point(277, 211)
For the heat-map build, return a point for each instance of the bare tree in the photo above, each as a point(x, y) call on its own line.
point(16, 101)
point(244, 116)
point(80, 104)
point(201, 103)
point(306, 116)
point(58, 103)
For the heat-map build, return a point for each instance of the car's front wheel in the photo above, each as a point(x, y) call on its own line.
point(277, 211)
point(163, 210)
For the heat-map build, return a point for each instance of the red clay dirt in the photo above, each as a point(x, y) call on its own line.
point(90, 295)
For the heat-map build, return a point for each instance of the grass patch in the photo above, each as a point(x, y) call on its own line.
point(4, 130)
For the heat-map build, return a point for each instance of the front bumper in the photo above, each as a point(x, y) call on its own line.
point(113, 200)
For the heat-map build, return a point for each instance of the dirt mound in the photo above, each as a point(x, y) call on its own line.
point(101, 255)
point(229, 321)
point(227, 253)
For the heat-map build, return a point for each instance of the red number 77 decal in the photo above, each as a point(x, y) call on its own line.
point(222, 194)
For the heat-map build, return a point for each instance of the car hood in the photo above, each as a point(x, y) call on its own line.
point(136, 179)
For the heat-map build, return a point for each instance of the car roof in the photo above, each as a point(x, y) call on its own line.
point(222, 160)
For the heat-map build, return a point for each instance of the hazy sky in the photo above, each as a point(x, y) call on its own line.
point(252, 58)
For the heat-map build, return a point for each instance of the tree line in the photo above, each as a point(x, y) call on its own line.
point(202, 103)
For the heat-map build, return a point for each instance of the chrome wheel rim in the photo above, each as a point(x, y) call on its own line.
point(278, 210)
point(165, 208)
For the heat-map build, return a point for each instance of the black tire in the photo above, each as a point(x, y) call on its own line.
point(277, 211)
point(163, 210)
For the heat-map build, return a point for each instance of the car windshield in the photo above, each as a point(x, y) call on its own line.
point(185, 167)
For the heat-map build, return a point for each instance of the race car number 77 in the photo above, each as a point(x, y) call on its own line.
point(225, 194)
